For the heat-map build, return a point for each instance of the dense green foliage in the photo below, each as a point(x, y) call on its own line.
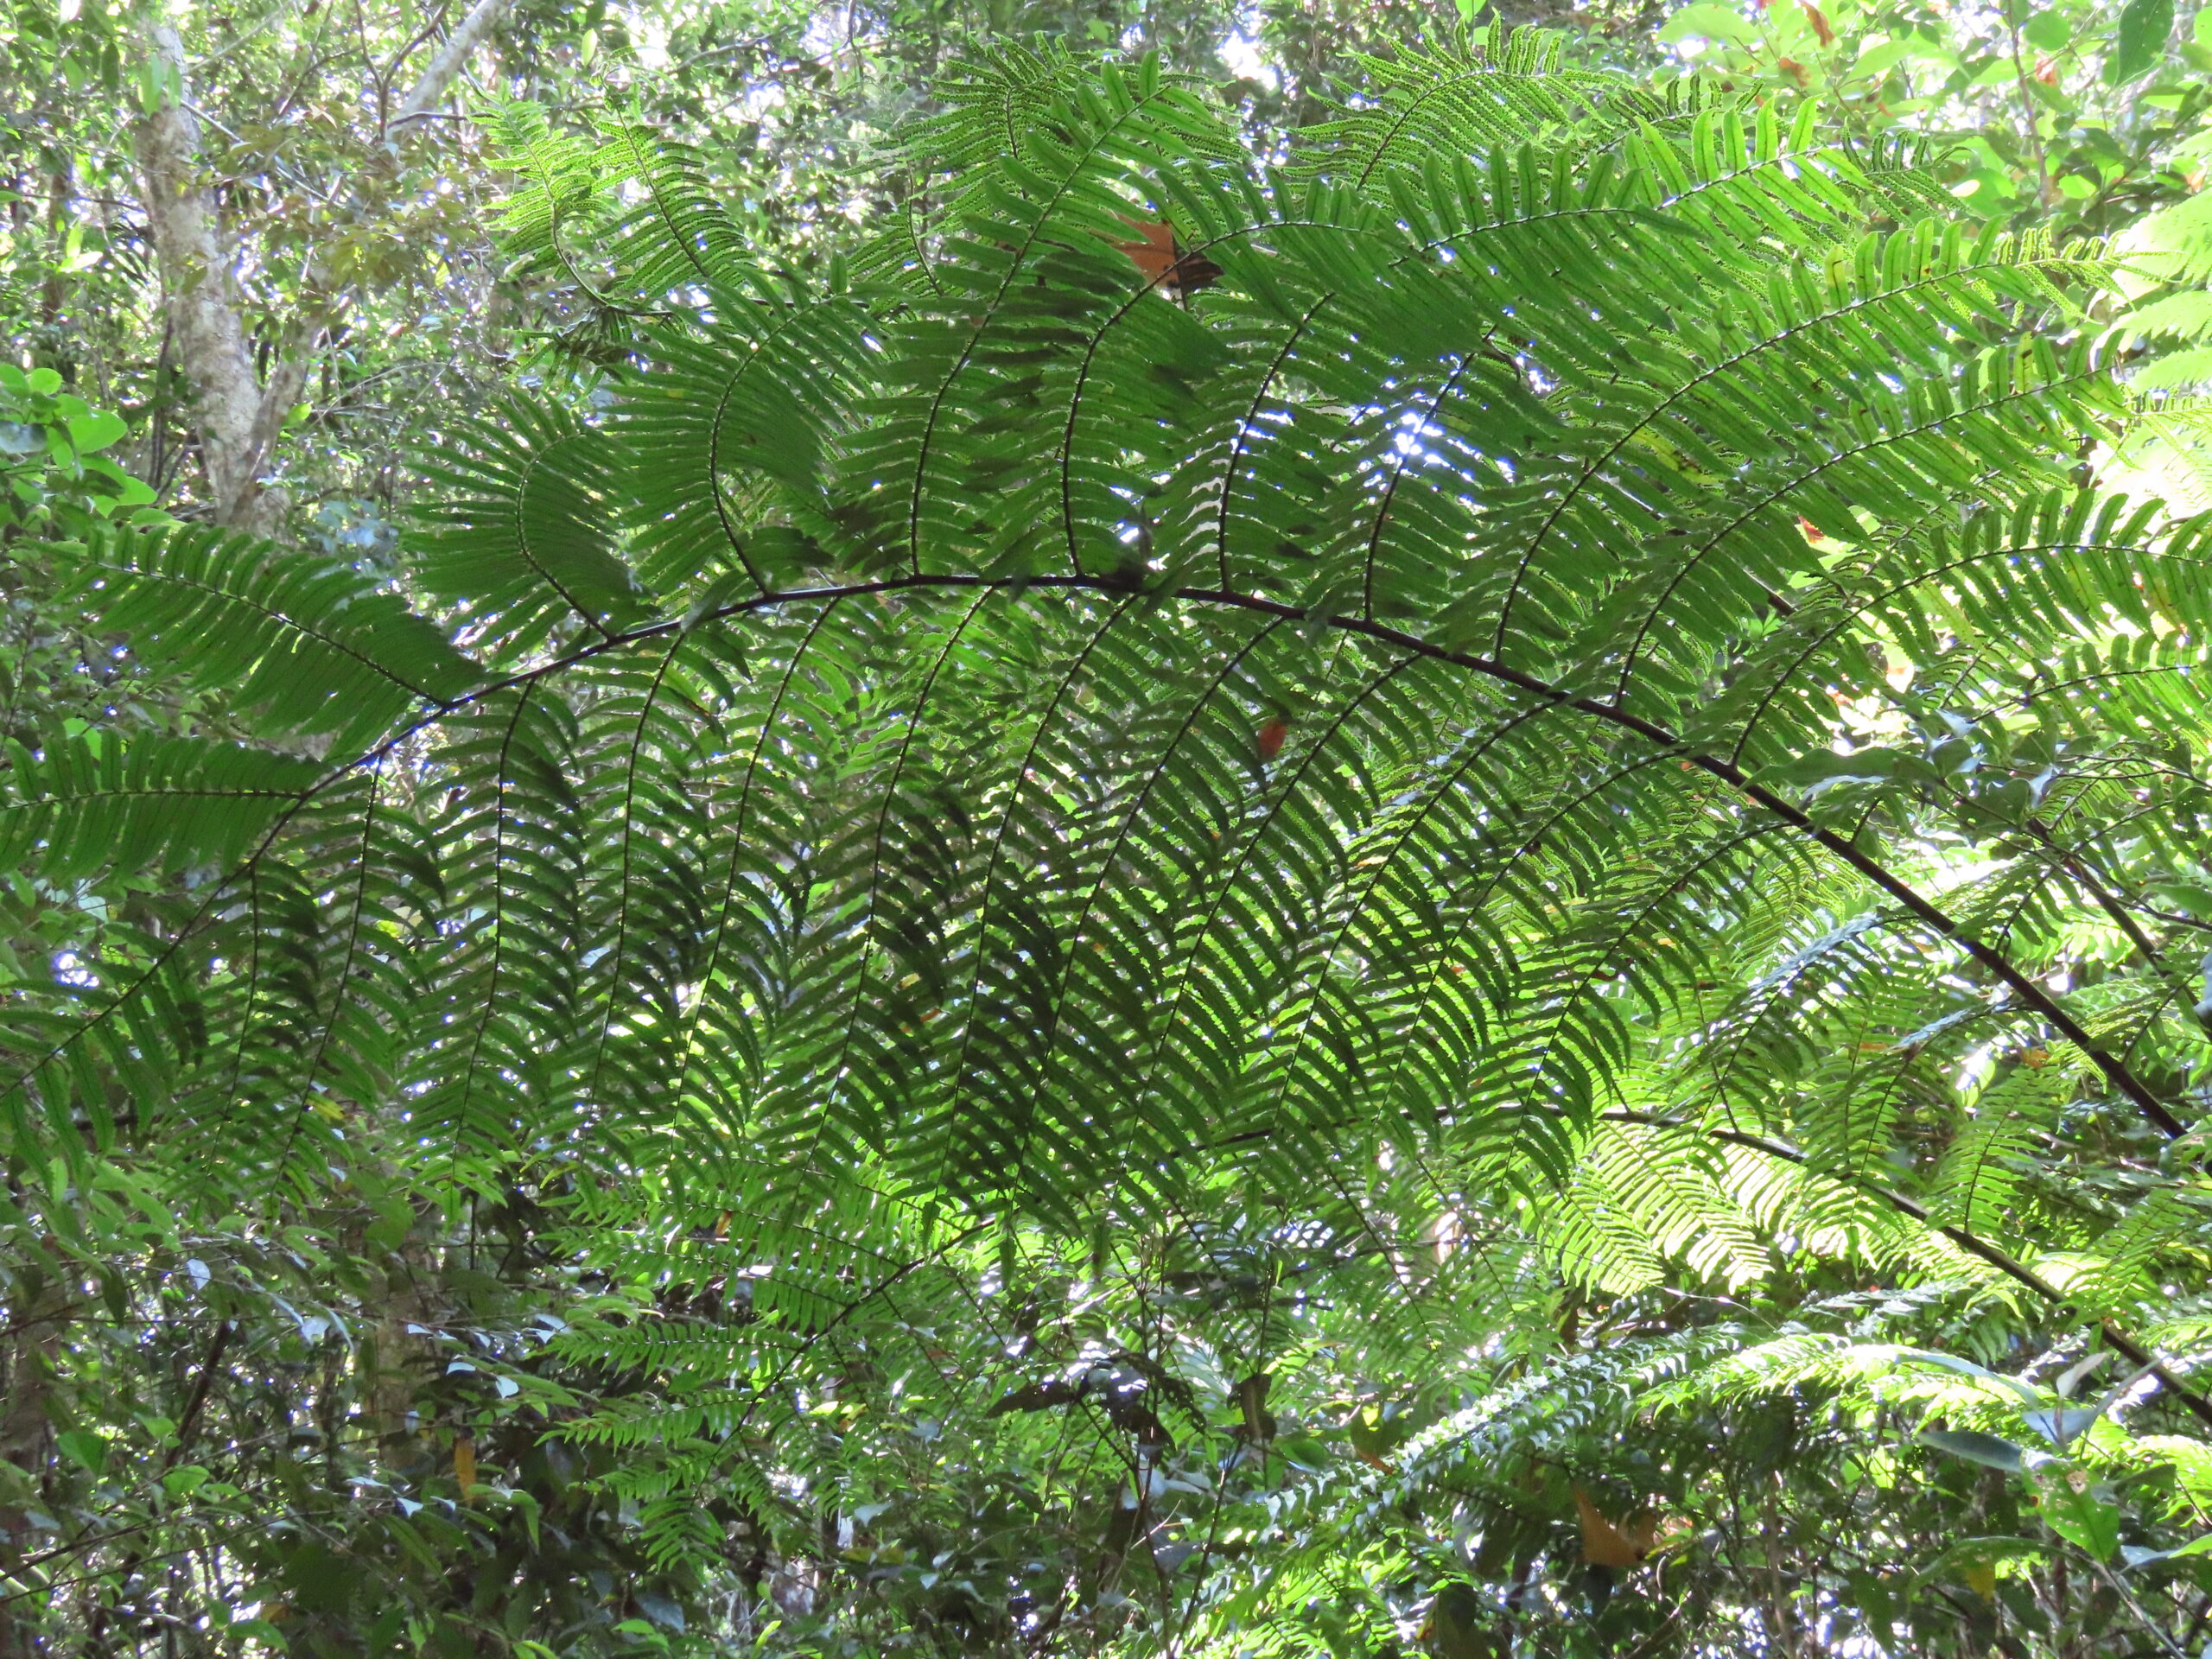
point(1439, 895)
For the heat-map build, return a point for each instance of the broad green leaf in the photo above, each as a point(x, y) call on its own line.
point(2145, 27)
point(83, 1446)
point(1712, 21)
point(2079, 1510)
point(1974, 1447)
point(97, 430)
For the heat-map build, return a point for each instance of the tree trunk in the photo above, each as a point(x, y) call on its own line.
point(238, 415)
point(37, 1313)
point(200, 282)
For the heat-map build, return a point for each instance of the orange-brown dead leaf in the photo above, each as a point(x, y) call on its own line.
point(1162, 260)
point(1270, 736)
point(1821, 28)
point(1605, 1544)
point(1155, 252)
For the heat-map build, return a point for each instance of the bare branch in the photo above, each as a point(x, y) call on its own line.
point(445, 68)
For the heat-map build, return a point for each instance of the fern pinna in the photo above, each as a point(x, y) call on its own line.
point(1538, 701)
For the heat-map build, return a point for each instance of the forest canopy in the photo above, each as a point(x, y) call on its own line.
point(1234, 834)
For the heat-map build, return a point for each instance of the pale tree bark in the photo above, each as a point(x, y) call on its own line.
point(445, 68)
point(237, 414)
point(198, 274)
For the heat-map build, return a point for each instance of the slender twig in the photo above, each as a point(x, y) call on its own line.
point(2166, 1643)
point(189, 1420)
point(2046, 193)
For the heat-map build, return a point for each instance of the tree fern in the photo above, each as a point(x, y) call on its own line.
point(1553, 717)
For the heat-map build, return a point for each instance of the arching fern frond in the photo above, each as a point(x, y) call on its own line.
point(1550, 716)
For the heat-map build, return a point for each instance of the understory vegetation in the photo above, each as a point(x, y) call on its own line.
point(1404, 858)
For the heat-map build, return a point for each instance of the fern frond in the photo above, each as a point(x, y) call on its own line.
point(295, 646)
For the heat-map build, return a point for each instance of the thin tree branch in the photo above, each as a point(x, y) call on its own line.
point(445, 68)
point(187, 1423)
